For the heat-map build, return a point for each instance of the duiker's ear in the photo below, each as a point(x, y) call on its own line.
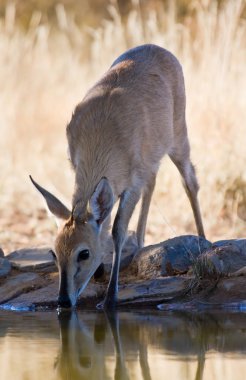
point(102, 201)
point(55, 206)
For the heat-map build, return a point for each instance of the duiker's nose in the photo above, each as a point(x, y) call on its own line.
point(64, 301)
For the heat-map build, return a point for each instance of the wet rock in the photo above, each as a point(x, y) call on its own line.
point(29, 259)
point(153, 290)
point(129, 250)
point(5, 267)
point(198, 306)
point(46, 297)
point(229, 293)
point(19, 284)
point(227, 259)
point(171, 257)
point(1, 253)
point(228, 290)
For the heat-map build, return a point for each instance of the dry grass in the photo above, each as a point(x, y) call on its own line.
point(44, 72)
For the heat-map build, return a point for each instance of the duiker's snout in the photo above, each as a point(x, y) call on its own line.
point(63, 297)
point(64, 301)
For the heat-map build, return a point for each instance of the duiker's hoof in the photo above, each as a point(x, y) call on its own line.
point(100, 305)
point(107, 304)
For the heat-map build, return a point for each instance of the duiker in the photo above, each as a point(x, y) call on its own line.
point(117, 136)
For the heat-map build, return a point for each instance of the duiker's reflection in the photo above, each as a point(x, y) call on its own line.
point(82, 350)
point(92, 349)
point(122, 346)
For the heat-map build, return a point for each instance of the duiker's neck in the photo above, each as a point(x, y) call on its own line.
point(85, 184)
point(93, 147)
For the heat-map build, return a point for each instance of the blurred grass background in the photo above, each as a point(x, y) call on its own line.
point(51, 52)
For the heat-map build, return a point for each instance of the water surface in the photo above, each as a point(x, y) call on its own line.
point(128, 345)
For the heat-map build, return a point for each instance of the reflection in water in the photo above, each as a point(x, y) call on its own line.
point(82, 348)
point(85, 347)
point(122, 346)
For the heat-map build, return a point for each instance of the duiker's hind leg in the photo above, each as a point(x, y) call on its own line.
point(181, 158)
point(142, 220)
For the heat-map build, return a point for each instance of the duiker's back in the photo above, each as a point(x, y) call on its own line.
point(127, 118)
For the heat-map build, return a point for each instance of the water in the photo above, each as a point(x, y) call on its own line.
point(129, 345)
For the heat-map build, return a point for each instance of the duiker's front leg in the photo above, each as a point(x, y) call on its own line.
point(121, 372)
point(128, 201)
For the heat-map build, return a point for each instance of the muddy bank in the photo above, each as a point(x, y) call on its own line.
point(185, 272)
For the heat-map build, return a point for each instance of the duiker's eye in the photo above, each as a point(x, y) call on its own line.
point(83, 255)
point(53, 254)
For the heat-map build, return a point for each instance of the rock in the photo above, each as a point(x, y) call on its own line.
point(153, 290)
point(128, 252)
point(150, 267)
point(147, 262)
point(239, 243)
point(46, 297)
point(19, 284)
point(239, 272)
point(229, 293)
point(29, 259)
point(171, 257)
point(228, 290)
point(226, 259)
point(1, 253)
point(5, 267)
point(198, 306)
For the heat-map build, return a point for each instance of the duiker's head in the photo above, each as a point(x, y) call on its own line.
point(78, 245)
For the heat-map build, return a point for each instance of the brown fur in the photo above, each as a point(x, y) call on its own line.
point(69, 237)
point(120, 131)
